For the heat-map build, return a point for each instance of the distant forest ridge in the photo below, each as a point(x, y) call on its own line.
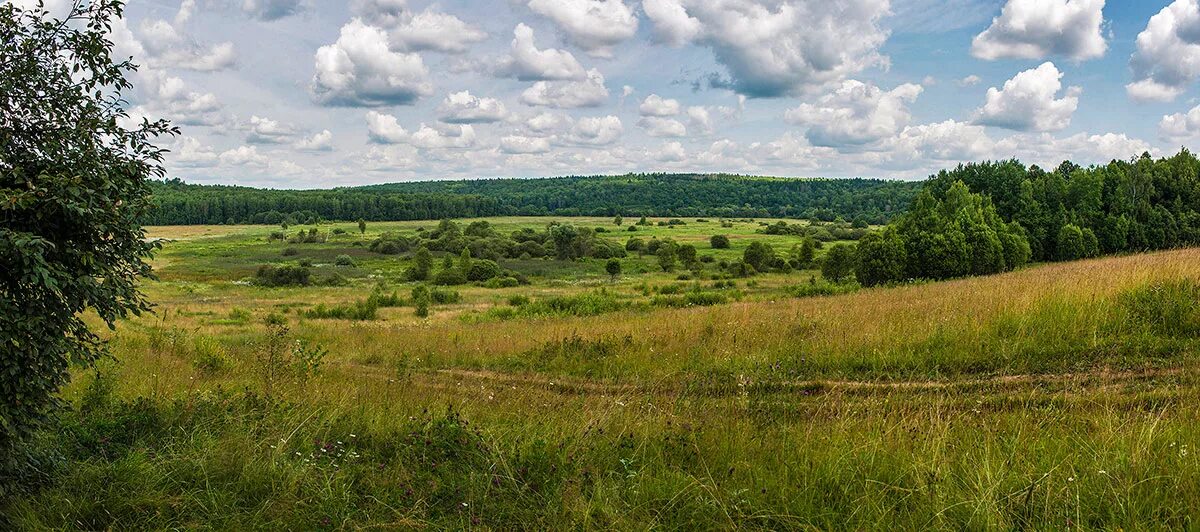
point(874, 201)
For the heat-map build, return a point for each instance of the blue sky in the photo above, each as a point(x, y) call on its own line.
point(308, 93)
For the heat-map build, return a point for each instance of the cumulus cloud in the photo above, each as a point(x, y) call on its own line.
point(594, 25)
point(1028, 102)
point(243, 156)
point(322, 141)
point(655, 105)
point(361, 70)
point(671, 152)
point(270, 10)
point(520, 144)
point(1167, 58)
point(189, 152)
point(464, 108)
point(163, 44)
point(855, 114)
point(548, 123)
point(1036, 29)
point(596, 131)
point(166, 96)
point(266, 131)
point(699, 121)
point(527, 63)
point(778, 48)
point(385, 129)
point(385, 13)
point(432, 30)
point(970, 81)
point(1180, 125)
point(672, 23)
point(656, 126)
point(590, 92)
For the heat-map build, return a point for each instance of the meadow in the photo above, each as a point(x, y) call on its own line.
point(1056, 396)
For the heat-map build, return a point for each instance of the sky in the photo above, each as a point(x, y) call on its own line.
point(317, 94)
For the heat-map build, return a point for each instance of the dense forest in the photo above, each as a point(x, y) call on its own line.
point(869, 200)
point(994, 216)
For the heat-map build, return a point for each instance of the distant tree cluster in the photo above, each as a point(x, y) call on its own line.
point(988, 217)
point(663, 195)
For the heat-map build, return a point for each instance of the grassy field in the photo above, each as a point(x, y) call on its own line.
point(1058, 396)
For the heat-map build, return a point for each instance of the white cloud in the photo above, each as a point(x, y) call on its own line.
point(270, 10)
point(188, 152)
point(361, 70)
point(672, 23)
point(548, 123)
point(656, 126)
point(1181, 125)
point(520, 144)
point(970, 81)
point(594, 25)
point(568, 94)
point(1036, 29)
point(266, 131)
point(1167, 58)
point(1028, 102)
point(385, 129)
point(699, 121)
point(671, 152)
point(384, 13)
point(166, 96)
point(464, 108)
point(243, 156)
point(431, 30)
point(166, 46)
point(855, 114)
point(596, 131)
point(322, 141)
point(784, 47)
point(655, 105)
point(527, 63)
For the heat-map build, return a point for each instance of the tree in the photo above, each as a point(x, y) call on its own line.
point(564, 237)
point(422, 265)
point(807, 253)
point(719, 242)
point(881, 258)
point(760, 255)
point(838, 263)
point(421, 299)
point(362, 226)
point(74, 186)
point(686, 254)
point(666, 256)
point(617, 220)
point(464, 261)
point(613, 267)
point(1071, 244)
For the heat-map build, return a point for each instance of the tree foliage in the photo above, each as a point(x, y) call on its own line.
point(74, 185)
point(664, 195)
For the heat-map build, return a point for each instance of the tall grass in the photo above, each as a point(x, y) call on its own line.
point(1055, 397)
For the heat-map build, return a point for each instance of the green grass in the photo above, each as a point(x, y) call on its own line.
point(1060, 396)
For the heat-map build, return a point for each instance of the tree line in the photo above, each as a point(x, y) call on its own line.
point(990, 217)
point(660, 195)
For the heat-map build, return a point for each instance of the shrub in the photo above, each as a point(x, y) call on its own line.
point(502, 282)
point(285, 275)
point(483, 270)
point(719, 242)
point(289, 252)
point(344, 261)
point(444, 297)
point(306, 263)
point(421, 299)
